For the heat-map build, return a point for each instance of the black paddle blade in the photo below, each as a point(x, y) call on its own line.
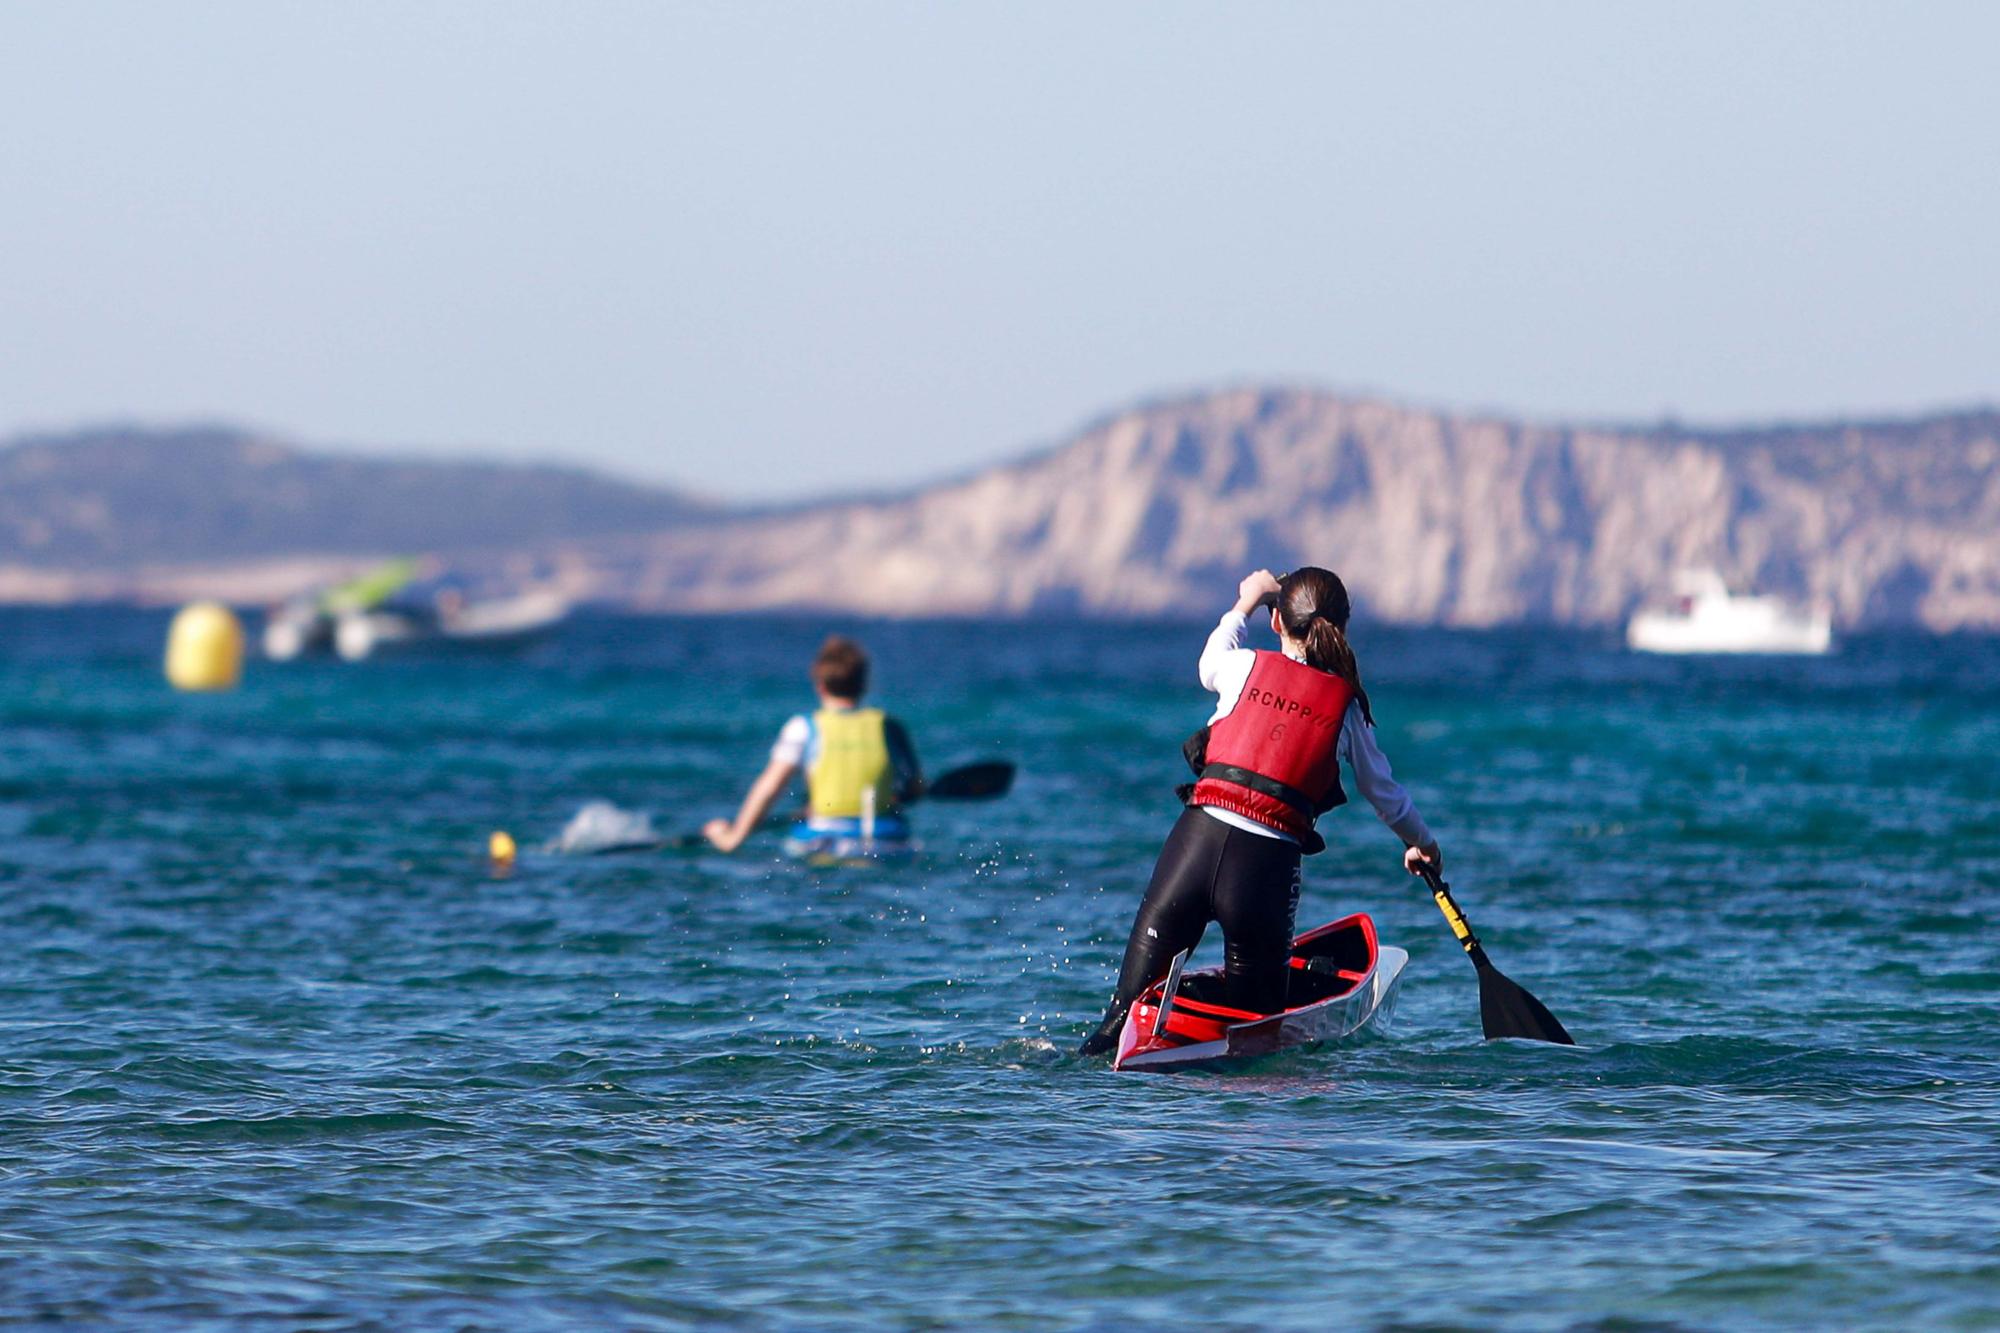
point(1506, 1010)
point(974, 782)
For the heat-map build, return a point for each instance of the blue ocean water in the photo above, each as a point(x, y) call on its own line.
point(279, 1049)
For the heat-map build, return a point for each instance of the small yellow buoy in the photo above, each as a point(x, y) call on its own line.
point(205, 648)
point(500, 847)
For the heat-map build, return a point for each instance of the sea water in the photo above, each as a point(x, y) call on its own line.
point(279, 1048)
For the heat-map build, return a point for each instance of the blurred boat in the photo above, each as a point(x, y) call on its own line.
point(298, 627)
point(1707, 618)
point(306, 624)
point(505, 622)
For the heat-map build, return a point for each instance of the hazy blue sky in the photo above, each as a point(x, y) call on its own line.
point(765, 249)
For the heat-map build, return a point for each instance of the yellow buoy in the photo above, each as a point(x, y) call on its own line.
point(205, 648)
point(500, 847)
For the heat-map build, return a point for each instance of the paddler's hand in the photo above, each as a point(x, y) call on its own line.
point(1416, 858)
point(1251, 593)
point(723, 834)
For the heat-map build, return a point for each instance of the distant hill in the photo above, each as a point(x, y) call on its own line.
point(1432, 517)
point(108, 499)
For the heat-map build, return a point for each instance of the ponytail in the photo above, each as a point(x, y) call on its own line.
point(1326, 648)
point(1313, 605)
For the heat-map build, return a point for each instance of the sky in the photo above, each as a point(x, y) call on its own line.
point(767, 251)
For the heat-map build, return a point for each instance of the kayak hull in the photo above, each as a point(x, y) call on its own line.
point(1343, 981)
point(842, 850)
point(884, 838)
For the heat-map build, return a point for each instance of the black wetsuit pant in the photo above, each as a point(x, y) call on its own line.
point(1212, 871)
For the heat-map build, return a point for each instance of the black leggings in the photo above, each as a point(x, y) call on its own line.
point(1212, 871)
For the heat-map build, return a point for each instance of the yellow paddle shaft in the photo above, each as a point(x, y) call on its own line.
point(1460, 927)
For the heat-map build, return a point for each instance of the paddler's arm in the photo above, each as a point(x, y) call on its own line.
point(728, 834)
point(1226, 638)
point(1393, 805)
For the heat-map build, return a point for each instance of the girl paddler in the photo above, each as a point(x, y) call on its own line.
point(1267, 765)
point(859, 764)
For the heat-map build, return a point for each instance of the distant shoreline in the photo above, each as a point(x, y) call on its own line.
point(1432, 516)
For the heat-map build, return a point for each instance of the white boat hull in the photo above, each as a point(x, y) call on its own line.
point(359, 635)
point(1370, 1004)
point(1661, 632)
point(1711, 619)
point(500, 624)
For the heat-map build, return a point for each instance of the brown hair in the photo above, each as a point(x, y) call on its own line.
point(841, 668)
point(1313, 607)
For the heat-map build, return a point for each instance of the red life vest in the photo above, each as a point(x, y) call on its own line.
point(1275, 757)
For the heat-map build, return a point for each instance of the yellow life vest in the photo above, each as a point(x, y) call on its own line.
point(852, 758)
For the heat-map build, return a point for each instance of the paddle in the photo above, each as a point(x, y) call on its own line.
point(1505, 1009)
point(1173, 984)
point(972, 782)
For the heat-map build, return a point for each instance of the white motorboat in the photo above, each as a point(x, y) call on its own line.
point(502, 623)
point(1706, 617)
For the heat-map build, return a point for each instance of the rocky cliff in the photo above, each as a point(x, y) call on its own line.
point(1430, 516)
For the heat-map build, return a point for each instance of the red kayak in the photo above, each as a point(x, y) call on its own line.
point(1341, 982)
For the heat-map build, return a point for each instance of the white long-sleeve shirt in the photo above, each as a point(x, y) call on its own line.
point(1225, 666)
